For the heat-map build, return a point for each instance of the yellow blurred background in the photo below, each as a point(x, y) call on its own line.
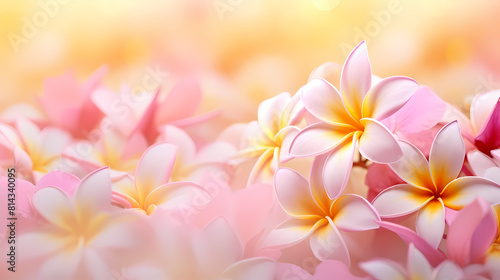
point(244, 51)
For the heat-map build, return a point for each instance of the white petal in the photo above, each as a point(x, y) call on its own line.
point(387, 97)
point(430, 222)
point(328, 244)
point(353, 213)
point(447, 155)
point(378, 144)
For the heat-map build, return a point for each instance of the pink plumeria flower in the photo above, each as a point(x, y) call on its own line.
point(269, 139)
point(350, 119)
point(68, 104)
point(151, 188)
point(317, 216)
point(78, 232)
point(35, 151)
point(192, 164)
point(432, 186)
point(417, 267)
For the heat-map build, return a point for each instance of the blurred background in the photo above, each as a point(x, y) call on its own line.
point(244, 51)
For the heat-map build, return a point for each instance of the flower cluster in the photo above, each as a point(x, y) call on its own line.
point(353, 177)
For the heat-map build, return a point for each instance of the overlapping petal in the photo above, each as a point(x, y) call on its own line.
point(353, 213)
point(294, 194)
point(378, 144)
point(324, 101)
point(338, 165)
point(328, 244)
point(447, 155)
point(413, 167)
point(463, 191)
point(387, 97)
point(431, 223)
point(400, 200)
point(318, 139)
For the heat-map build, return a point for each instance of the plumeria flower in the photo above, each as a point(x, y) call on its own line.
point(33, 150)
point(81, 234)
point(269, 139)
point(68, 104)
point(151, 188)
point(432, 186)
point(317, 216)
point(350, 119)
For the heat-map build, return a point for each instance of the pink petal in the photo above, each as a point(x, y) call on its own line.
point(61, 266)
point(430, 222)
point(471, 233)
point(378, 144)
point(479, 162)
point(384, 269)
point(328, 244)
point(323, 101)
point(387, 97)
point(294, 195)
point(185, 145)
point(356, 79)
point(270, 112)
point(24, 196)
point(413, 166)
point(447, 155)
point(318, 139)
point(409, 119)
point(94, 192)
point(154, 168)
point(38, 244)
point(418, 266)
point(288, 134)
point(487, 138)
point(175, 193)
point(66, 182)
point(333, 270)
point(220, 243)
point(292, 232)
point(448, 270)
point(493, 174)
point(464, 190)
point(400, 200)
point(380, 177)
point(481, 108)
point(337, 167)
point(250, 269)
point(181, 102)
point(352, 212)
point(433, 255)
